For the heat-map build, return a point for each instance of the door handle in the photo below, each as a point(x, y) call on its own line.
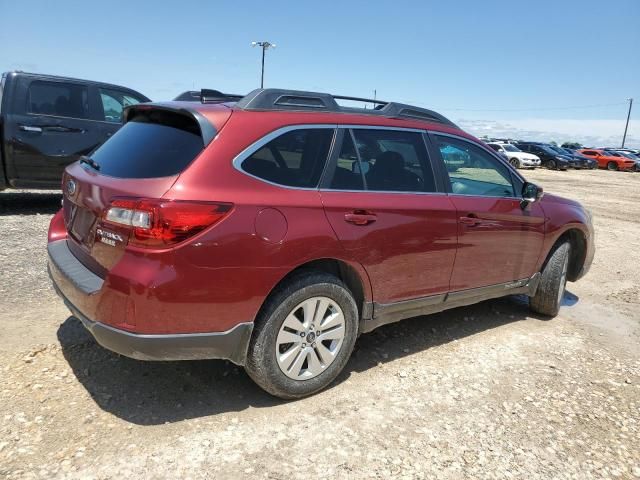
point(470, 220)
point(29, 128)
point(360, 217)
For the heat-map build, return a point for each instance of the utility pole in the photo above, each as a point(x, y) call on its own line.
point(624, 137)
point(264, 46)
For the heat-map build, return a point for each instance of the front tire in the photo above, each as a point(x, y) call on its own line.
point(515, 162)
point(553, 282)
point(612, 166)
point(303, 336)
point(552, 165)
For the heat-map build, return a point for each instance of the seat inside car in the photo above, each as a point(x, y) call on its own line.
point(389, 173)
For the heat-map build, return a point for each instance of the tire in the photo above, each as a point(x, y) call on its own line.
point(612, 166)
point(515, 162)
point(552, 165)
point(288, 304)
point(553, 281)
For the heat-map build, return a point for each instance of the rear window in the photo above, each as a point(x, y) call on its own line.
point(152, 144)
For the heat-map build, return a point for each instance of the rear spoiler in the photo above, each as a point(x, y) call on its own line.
point(207, 131)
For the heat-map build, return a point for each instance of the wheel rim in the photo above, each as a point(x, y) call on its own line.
point(563, 280)
point(612, 166)
point(310, 338)
point(515, 162)
point(552, 164)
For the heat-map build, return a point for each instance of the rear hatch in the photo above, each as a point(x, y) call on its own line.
point(141, 161)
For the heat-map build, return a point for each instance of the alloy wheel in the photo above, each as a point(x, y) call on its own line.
point(310, 338)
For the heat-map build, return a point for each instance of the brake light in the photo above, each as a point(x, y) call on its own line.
point(159, 223)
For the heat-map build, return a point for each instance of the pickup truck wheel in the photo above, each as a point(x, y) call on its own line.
point(553, 281)
point(303, 336)
point(612, 166)
point(515, 162)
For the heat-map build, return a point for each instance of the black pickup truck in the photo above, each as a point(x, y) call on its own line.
point(48, 122)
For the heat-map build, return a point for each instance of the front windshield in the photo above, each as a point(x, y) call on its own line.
point(510, 148)
point(559, 150)
point(551, 150)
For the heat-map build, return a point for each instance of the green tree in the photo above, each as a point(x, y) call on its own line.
point(572, 145)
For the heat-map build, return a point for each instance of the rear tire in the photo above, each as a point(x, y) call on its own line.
point(553, 281)
point(269, 350)
point(612, 166)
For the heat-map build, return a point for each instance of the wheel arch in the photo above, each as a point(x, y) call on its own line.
point(578, 241)
point(353, 276)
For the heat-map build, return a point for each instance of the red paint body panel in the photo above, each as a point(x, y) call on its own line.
point(410, 247)
point(504, 245)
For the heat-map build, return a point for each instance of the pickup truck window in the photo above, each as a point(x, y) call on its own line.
point(58, 99)
point(113, 103)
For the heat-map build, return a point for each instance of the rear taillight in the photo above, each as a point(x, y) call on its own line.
point(156, 223)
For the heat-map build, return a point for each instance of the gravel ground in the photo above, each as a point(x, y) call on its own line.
point(487, 391)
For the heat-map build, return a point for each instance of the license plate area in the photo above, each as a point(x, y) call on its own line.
point(82, 223)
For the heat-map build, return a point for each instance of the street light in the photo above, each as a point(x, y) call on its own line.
point(265, 46)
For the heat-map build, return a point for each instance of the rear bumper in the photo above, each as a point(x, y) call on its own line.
point(74, 282)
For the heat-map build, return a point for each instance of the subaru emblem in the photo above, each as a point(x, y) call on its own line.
point(71, 187)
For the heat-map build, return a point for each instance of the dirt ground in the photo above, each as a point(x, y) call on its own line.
point(487, 391)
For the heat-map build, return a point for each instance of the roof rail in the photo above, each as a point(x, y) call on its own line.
point(268, 99)
point(208, 95)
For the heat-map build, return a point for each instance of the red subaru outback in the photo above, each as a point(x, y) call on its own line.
point(272, 231)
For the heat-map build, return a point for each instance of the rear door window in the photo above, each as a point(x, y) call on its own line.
point(394, 160)
point(294, 159)
point(114, 102)
point(153, 144)
point(347, 174)
point(58, 99)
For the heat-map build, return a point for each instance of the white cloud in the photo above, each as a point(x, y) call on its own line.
point(594, 133)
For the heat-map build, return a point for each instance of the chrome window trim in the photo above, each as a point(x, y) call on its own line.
point(258, 144)
point(381, 191)
point(261, 142)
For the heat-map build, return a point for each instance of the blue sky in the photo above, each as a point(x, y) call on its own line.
point(507, 67)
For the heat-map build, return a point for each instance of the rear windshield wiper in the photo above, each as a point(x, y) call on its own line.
point(90, 161)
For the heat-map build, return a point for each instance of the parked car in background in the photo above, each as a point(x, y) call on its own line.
point(515, 156)
point(48, 122)
point(303, 225)
point(582, 161)
point(548, 156)
point(608, 159)
point(631, 154)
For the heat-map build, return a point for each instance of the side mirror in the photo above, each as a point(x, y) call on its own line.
point(530, 193)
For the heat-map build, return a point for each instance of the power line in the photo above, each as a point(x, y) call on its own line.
point(534, 109)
